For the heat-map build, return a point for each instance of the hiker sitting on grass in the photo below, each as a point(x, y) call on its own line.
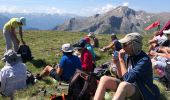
point(115, 45)
point(136, 75)
point(156, 41)
point(90, 48)
point(66, 68)
point(95, 41)
point(85, 57)
point(13, 74)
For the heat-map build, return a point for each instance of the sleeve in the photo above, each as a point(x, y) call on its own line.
point(141, 69)
point(62, 62)
point(2, 80)
point(86, 62)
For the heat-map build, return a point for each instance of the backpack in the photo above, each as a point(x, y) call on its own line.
point(105, 69)
point(82, 86)
point(25, 52)
point(30, 78)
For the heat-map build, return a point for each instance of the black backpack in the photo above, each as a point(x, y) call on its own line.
point(30, 78)
point(25, 52)
point(82, 86)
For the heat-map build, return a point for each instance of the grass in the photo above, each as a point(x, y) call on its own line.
point(44, 46)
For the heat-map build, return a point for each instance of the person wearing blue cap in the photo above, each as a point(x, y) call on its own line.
point(10, 34)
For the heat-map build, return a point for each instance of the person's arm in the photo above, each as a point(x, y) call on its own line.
point(160, 54)
point(122, 66)
point(2, 80)
point(14, 34)
point(152, 41)
point(21, 35)
point(59, 71)
point(108, 46)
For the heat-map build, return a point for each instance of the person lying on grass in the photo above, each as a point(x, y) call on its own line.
point(66, 68)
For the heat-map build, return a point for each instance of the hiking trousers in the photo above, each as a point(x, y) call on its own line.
point(9, 39)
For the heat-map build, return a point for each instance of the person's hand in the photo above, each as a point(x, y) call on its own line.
point(153, 53)
point(121, 54)
point(115, 61)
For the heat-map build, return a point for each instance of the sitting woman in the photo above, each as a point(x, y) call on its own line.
point(13, 74)
point(66, 68)
point(160, 61)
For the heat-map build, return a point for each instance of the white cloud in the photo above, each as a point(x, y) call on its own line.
point(16, 9)
point(95, 10)
point(125, 4)
point(106, 8)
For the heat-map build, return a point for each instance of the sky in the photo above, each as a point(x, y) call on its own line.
point(80, 7)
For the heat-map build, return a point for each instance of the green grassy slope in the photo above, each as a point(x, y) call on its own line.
point(44, 46)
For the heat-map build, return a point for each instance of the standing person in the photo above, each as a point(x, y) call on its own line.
point(66, 68)
point(95, 42)
point(137, 77)
point(115, 45)
point(13, 74)
point(9, 32)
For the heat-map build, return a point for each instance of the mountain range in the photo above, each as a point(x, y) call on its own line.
point(37, 21)
point(119, 20)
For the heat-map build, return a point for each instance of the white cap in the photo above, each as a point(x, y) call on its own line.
point(166, 31)
point(67, 48)
point(23, 20)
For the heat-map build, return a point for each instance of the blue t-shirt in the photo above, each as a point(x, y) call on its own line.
point(69, 64)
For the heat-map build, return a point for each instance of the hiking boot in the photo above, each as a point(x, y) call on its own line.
point(38, 77)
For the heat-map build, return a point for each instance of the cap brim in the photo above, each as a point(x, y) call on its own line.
point(124, 40)
point(67, 51)
point(3, 58)
point(89, 35)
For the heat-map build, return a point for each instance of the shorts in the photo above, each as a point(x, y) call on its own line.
point(54, 75)
point(136, 96)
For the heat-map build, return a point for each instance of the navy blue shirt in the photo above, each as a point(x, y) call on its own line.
point(141, 74)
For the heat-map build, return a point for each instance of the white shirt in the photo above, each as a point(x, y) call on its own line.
point(12, 78)
point(160, 39)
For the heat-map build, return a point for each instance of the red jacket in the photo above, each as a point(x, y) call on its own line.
point(87, 60)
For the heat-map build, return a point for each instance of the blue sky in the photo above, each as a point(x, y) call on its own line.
point(80, 7)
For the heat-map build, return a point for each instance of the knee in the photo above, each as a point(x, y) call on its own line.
point(48, 68)
point(103, 79)
point(124, 85)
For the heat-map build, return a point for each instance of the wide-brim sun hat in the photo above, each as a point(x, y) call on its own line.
point(67, 48)
point(166, 31)
point(11, 57)
point(131, 37)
